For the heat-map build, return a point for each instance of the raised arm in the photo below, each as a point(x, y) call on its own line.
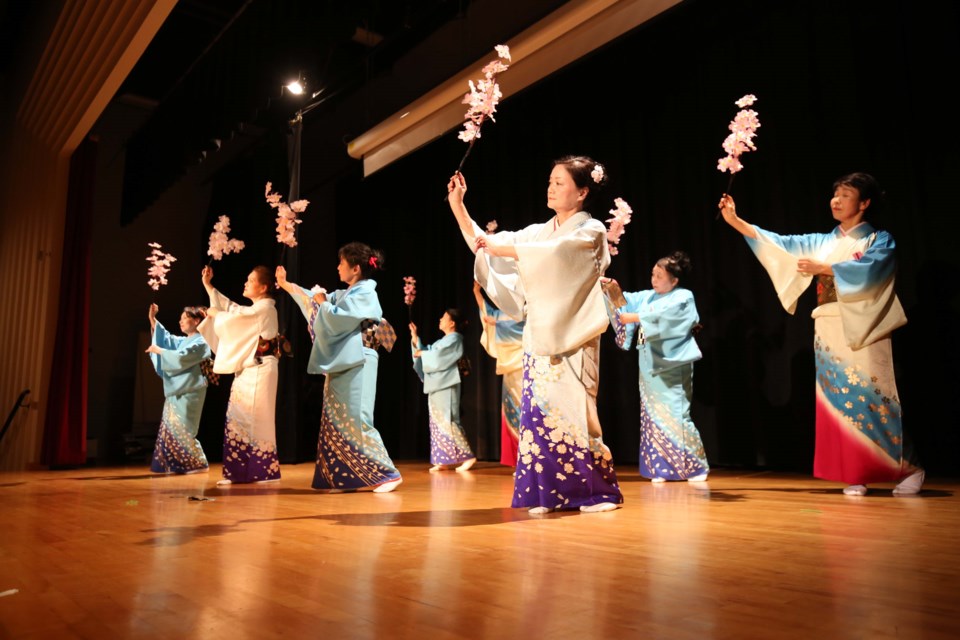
point(728, 209)
point(283, 283)
point(152, 316)
point(456, 189)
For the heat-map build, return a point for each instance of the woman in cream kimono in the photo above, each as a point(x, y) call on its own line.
point(246, 344)
point(549, 275)
point(344, 326)
point(859, 432)
point(176, 360)
point(437, 366)
point(502, 338)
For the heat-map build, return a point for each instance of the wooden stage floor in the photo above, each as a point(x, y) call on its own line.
point(122, 553)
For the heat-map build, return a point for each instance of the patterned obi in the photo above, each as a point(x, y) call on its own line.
point(377, 334)
point(826, 290)
point(275, 347)
point(206, 368)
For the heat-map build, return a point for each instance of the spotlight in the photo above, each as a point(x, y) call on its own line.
point(296, 87)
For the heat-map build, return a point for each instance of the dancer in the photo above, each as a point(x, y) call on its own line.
point(860, 438)
point(437, 366)
point(246, 344)
point(177, 361)
point(501, 337)
point(346, 327)
point(665, 318)
point(548, 274)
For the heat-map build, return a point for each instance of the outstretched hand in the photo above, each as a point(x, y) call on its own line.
point(728, 209)
point(206, 276)
point(281, 275)
point(456, 188)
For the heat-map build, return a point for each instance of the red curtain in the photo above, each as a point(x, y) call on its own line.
point(65, 428)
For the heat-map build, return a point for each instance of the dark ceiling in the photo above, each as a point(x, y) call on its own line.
point(215, 71)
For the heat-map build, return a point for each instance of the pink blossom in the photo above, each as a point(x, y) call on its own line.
point(484, 96)
point(159, 266)
point(409, 290)
point(619, 218)
point(597, 173)
point(220, 243)
point(287, 219)
point(743, 128)
point(491, 226)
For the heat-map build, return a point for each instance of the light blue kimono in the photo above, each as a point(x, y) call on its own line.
point(350, 451)
point(859, 429)
point(437, 367)
point(185, 387)
point(670, 445)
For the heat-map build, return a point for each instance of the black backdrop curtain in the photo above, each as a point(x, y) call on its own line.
point(841, 87)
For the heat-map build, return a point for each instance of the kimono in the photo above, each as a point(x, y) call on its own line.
point(504, 341)
point(437, 368)
point(350, 452)
point(859, 432)
point(238, 335)
point(670, 445)
point(554, 287)
point(185, 388)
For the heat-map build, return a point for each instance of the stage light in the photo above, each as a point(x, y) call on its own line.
point(296, 87)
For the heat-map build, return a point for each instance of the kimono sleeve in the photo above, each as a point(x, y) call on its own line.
point(675, 320)
point(442, 354)
point(308, 307)
point(337, 344)
point(869, 307)
point(488, 329)
point(500, 277)
point(165, 340)
point(625, 332)
point(342, 313)
point(187, 356)
point(417, 362)
point(778, 255)
point(561, 281)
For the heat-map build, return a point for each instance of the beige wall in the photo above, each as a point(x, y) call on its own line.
point(88, 51)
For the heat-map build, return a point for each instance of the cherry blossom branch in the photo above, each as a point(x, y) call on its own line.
point(159, 266)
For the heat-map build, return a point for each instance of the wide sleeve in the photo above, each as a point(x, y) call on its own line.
point(488, 328)
point(189, 354)
point(417, 362)
point(337, 344)
point(561, 281)
point(500, 277)
point(223, 303)
point(234, 334)
point(442, 354)
point(308, 307)
point(869, 307)
point(626, 331)
point(779, 254)
point(673, 318)
point(165, 340)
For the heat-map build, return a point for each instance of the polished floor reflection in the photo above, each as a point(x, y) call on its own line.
point(123, 553)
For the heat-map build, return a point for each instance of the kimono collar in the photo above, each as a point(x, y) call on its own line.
point(572, 222)
point(862, 230)
point(360, 285)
